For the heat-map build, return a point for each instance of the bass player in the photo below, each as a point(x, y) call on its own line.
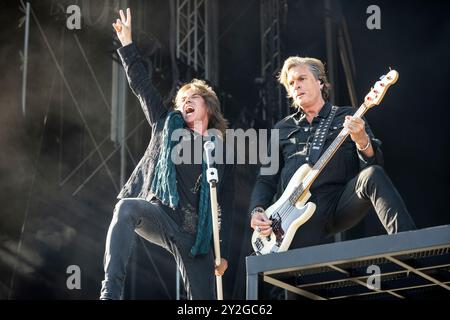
point(353, 180)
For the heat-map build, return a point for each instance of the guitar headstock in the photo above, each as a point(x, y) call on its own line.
point(376, 94)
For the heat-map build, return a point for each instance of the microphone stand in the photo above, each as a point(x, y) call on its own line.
point(212, 178)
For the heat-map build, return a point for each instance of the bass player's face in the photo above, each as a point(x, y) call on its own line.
point(304, 88)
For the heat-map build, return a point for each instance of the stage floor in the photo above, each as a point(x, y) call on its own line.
point(412, 264)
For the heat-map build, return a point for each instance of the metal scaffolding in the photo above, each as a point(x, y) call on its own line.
point(412, 264)
point(195, 36)
point(274, 106)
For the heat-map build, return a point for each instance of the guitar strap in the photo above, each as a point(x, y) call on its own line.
point(320, 136)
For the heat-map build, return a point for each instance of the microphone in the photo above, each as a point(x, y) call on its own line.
point(211, 174)
point(209, 147)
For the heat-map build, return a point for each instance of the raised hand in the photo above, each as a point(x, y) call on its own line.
point(123, 27)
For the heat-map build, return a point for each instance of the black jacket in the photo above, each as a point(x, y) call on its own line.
point(139, 183)
point(295, 136)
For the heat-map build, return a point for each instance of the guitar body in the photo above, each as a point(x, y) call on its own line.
point(286, 217)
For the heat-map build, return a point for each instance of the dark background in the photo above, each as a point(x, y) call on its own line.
point(55, 210)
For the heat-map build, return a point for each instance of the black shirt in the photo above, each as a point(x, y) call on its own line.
point(295, 138)
point(189, 181)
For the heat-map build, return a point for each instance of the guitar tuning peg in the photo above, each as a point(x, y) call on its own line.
point(382, 77)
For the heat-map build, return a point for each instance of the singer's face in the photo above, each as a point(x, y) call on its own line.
point(304, 88)
point(193, 107)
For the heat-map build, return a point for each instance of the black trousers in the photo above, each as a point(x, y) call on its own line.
point(157, 224)
point(340, 210)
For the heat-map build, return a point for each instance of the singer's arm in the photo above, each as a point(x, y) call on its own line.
point(137, 74)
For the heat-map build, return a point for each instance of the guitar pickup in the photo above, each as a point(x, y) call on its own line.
point(258, 243)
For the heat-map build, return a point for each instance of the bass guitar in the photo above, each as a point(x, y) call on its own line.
point(292, 209)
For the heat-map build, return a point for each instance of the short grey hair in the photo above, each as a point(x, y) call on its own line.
point(314, 65)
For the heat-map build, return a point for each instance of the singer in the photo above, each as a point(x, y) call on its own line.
point(166, 202)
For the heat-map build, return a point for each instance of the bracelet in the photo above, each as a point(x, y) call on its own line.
point(366, 147)
point(257, 210)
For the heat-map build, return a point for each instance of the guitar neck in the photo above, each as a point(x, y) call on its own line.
point(327, 155)
point(331, 150)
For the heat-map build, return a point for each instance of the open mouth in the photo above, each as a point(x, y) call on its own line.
point(189, 110)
